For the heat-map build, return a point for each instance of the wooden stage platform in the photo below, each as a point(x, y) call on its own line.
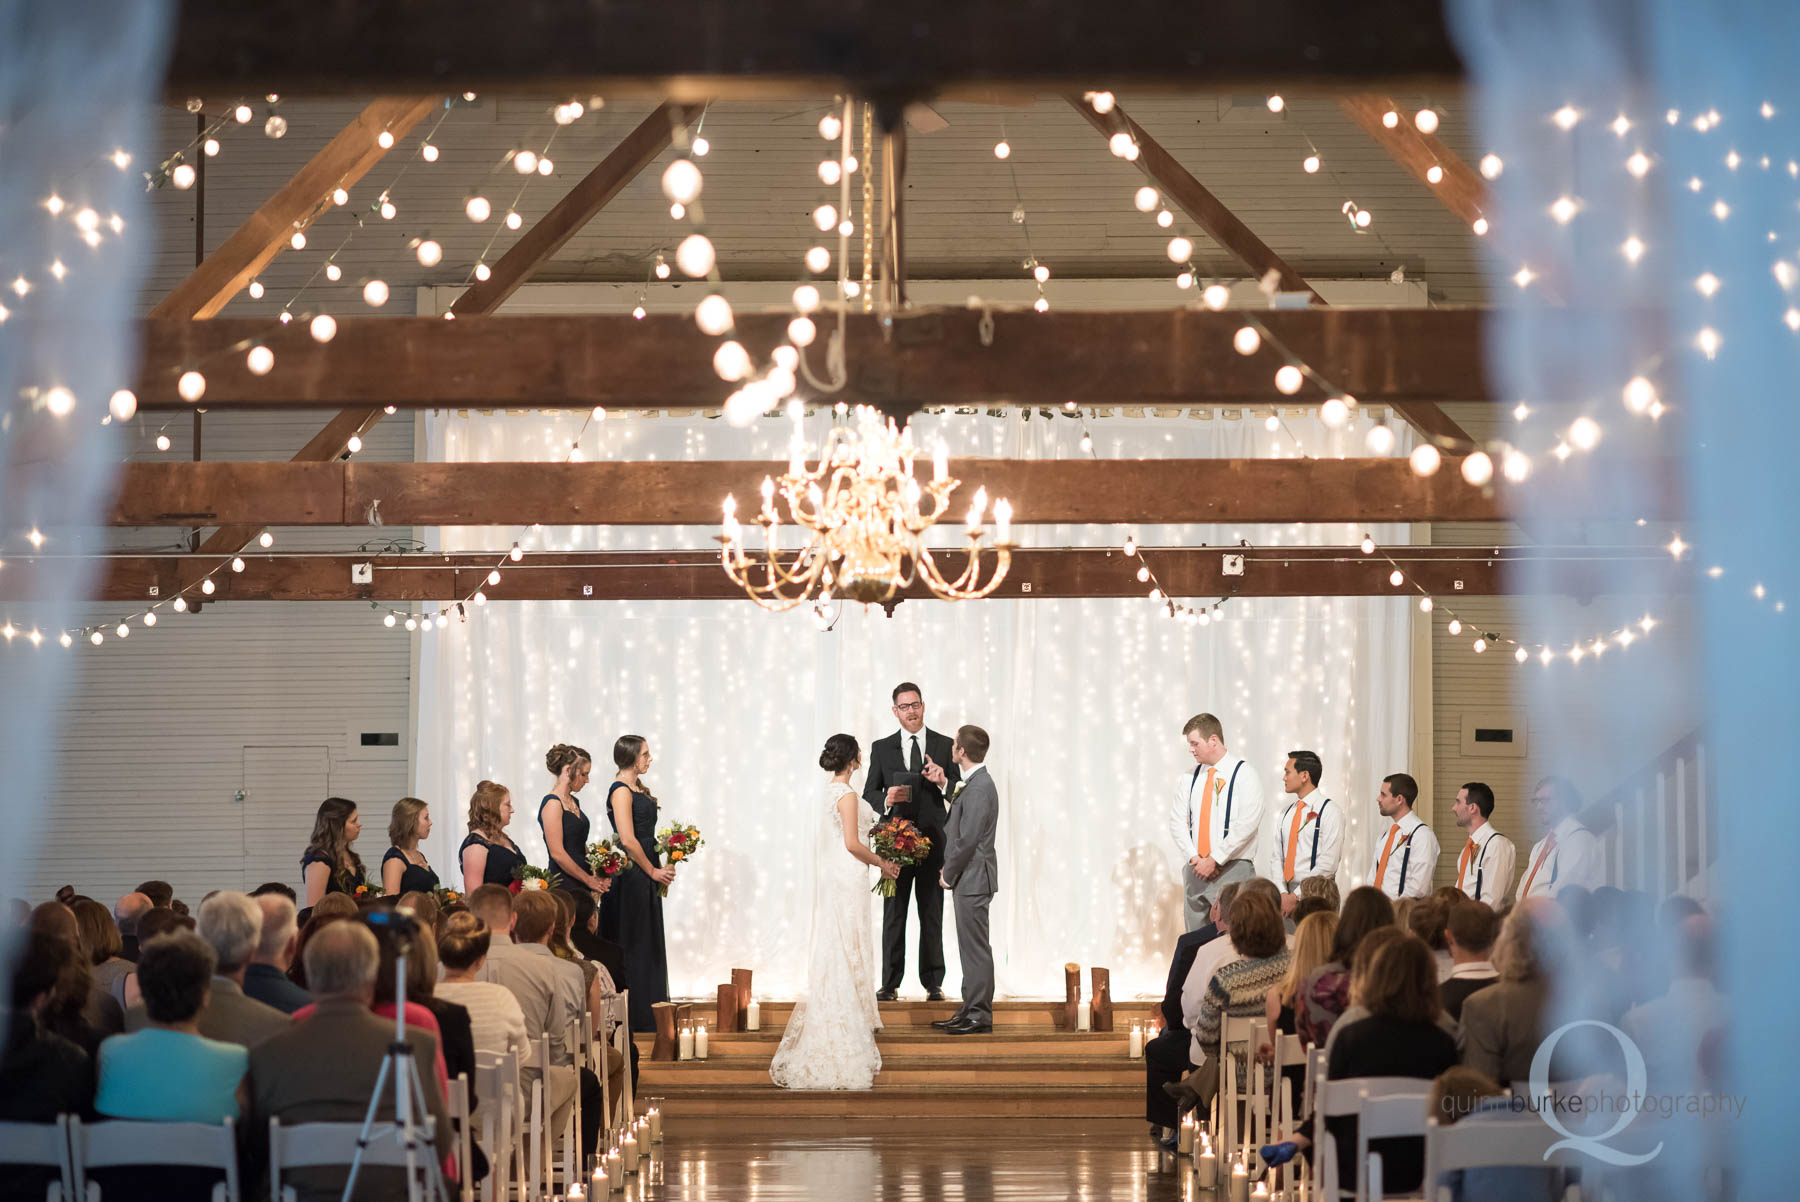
point(1027, 1069)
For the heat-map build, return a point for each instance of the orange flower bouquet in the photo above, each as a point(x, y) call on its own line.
point(898, 840)
point(676, 844)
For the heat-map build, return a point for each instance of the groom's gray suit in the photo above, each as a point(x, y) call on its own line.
point(973, 874)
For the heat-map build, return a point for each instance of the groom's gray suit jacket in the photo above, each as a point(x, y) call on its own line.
point(973, 875)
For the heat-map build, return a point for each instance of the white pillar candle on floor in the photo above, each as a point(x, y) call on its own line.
point(1184, 1137)
point(615, 1169)
point(1240, 1182)
point(577, 1194)
point(1084, 1020)
point(597, 1185)
point(1261, 1191)
point(629, 1150)
point(1137, 1040)
point(655, 1118)
point(687, 1044)
point(1206, 1166)
point(700, 1042)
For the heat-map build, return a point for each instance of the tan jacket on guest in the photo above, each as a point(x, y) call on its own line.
point(1502, 1026)
point(229, 1016)
point(323, 1070)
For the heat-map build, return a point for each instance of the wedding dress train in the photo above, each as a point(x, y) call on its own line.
point(829, 1042)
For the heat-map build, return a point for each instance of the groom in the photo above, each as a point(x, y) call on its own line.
point(971, 872)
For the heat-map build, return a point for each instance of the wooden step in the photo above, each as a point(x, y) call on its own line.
point(1039, 1014)
point(1077, 1106)
point(965, 1071)
point(924, 1041)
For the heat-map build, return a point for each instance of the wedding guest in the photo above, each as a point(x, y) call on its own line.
point(1426, 920)
point(632, 914)
point(1240, 987)
point(1409, 852)
point(101, 942)
point(1326, 993)
point(160, 893)
point(1310, 831)
point(564, 823)
point(1484, 870)
point(126, 912)
point(456, 1040)
point(1324, 888)
point(422, 906)
point(404, 868)
point(494, 906)
point(42, 1074)
point(496, 1024)
point(1569, 855)
point(65, 1011)
point(1313, 937)
point(1166, 1058)
point(265, 978)
point(231, 925)
point(381, 1001)
point(1309, 906)
point(169, 1071)
point(1469, 933)
point(1464, 1095)
point(1671, 1030)
point(1207, 960)
point(488, 854)
point(268, 887)
point(336, 907)
point(597, 983)
point(1214, 822)
point(331, 864)
point(1503, 1024)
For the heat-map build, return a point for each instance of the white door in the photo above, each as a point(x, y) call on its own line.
point(283, 787)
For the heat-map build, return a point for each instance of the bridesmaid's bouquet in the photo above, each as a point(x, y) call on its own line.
point(898, 840)
point(367, 891)
point(674, 844)
point(607, 859)
point(526, 878)
point(446, 897)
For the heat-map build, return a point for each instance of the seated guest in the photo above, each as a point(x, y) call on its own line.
point(160, 893)
point(324, 1069)
point(101, 941)
point(1361, 960)
point(1313, 938)
point(586, 937)
point(231, 924)
point(1323, 887)
point(168, 1071)
point(1240, 987)
point(456, 1041)
point(65, 1011)
point(1166, 1056)
point(42, 1074)
point(276, 887)
point(1464, 1095)
point(126, 912)
point(418, 1015)
point(422, 906)
point(493, 904)
point(334, 908)
point(496, 1024)
point(1308, 906)
point(1502, 1025)
point(266, 979)
point(1325, 995)
point(1671, 1030)
point(1211, 954)
point(1469, 934)
point(1426, 921)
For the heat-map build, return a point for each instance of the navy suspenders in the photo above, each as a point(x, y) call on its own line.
point(1318, 825)
point(1230, 791)
point(1405, 859)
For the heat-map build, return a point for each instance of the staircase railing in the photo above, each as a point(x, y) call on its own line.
point(1663, 835)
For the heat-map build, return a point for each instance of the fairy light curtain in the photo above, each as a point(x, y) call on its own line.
point(1647, 206)
point(1084, 699)
point(76, 87)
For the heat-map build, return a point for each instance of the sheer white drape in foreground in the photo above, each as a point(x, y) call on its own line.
point(1084, 700)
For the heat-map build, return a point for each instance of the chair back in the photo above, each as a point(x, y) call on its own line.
point(620, 1008)
point(318, 1145)
point(42, 1145)
point(460, 1123)
point(113, 1143)
point(497, 1085)
point(1340, 1099)
point(1505, 1141)
point(1386, 1116)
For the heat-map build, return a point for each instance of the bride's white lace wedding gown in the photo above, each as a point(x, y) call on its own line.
point(829, 1042)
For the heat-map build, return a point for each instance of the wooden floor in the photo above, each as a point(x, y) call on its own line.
point(952, 1158)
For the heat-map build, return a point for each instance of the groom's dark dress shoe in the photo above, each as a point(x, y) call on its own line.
point(970, 1028)
point(887, 995)
point(934, 995)
point(944, 1024)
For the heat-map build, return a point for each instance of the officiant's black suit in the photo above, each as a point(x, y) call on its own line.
point(927, 810)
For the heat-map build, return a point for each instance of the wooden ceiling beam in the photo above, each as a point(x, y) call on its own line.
point(657, 493)
point(1460, 190)
point(698, 50)
point(935, 358)
point(339, 164)
point(1050, 572)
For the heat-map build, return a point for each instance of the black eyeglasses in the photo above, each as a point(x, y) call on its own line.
point(914, 705)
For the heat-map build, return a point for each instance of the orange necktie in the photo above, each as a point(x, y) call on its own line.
point(1462, 864)
point(1205, 840)
point(1549, 846)
point(1386, 849)
point(1287, 865)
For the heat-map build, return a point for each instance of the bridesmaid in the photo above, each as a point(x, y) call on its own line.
point(488, 856)
point(404, 869)
point(633, 913)
point(564, 824)
point(330, 864)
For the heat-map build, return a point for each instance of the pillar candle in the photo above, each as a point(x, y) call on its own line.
point(1184, 1138)
point(687, 1043)
point(753, 1017)
point(615, 1170)
point(655, 1117)
point(1261, 1191)
point(576, 1193)
point(1240, 1182)
point(700, 1042)
point(597, 1184)
point(629, 1149)
point(1137, 1040)
point(1084, 1020)
point(1206, 1167)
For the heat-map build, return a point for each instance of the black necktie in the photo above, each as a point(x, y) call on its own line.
point(917, 763)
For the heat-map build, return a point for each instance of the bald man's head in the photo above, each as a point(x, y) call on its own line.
point(128, 909)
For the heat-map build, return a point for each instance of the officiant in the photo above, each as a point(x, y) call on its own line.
point(897, 785)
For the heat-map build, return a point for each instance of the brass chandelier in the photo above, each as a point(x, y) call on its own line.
point(865, 515)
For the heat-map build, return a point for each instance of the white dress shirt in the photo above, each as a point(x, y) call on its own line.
point(1576, 859)
point(1413, 860)
point(907, 738)
point(1242, 800)
point(1209, 959)
point(1320, 841)
point(1489, 873)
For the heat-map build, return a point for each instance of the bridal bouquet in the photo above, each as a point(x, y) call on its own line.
point(525, 877)
point(607, 859)
point(898, 840)
point(675, 843)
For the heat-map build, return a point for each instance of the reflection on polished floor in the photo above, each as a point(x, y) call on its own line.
point(955, 1158)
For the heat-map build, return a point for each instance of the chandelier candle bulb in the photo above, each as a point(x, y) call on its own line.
point(1003, 512)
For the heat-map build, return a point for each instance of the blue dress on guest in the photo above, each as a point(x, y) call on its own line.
point(631, 914)
point(170, 1076)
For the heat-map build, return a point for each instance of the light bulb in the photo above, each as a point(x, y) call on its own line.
point(695, 255)
point(1002, 149)
point(430, 253)
point(162, 442)
point(1639, 392)
point(1434, 174)
point(1185, 280)
point(1246, 340)
point(1425, 605)
point(1515, 466)
point(179, 605)
point(806, 299)
point(1334, 412)
point(323, 327)
point(1480, 227)
point(701, 146)
point(817, 259)
point(731, 361)
point(96, 638)
point(1566, 117)
point(243, 113)
point(1215, 296)
point(477, 208)
point(1390, 119)
point(830, 171)
point(1363, 218)
point(375, 293)
point(713, 315)
point(333, 272)
point(1272, 423)
point(681, 181)
point(662, 268)
point(429, 152)
point(846, 227)
point(1455, 626)
point(546, 168)
point(1396, 578)
point(1367, 545)
point(1276, 104)
point(1491, 166)
point(260, 360)
point(1310, 164)
point(525, 162)
point(801, 331)
point(1521, 655)
point(786, 357)
point(1480, 646)
point(1040, 273)
point(830, 127)
point(353, 444)
point(183, 175)
point(1145, 199)
point(191, 386)
point(1102, 101)
point(1425, 459)
point(1180, 250)
point(123, 404)
point(1564, 209)
point(1426, 121)
point(824, 217)
point(388, 621)
point(150, 618)
point(638, 312)
point(483, 271)
point(1165, 218)
point(1584, 432)
point(266, 539)
point(385, 140)
point(208, 587)
point(1478, 468)
point(1379, 439)
point(388, 210)
point(513, 220)
point(1288, 379)
point(1119, 143)
point(1041, 304)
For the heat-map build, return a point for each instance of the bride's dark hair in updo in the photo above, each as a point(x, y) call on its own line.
point(840, 752)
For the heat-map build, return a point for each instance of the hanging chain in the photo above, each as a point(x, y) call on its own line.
point(868, 207)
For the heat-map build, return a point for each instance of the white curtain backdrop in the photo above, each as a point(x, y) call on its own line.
point(1084, 700)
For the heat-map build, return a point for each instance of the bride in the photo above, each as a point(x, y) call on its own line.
point(829, 1042)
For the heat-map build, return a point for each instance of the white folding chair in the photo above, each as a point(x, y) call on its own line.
point(117, 1143)
point(497, 1084)
point(326, 1145)
point(1288, 1053)
point(1502, 1143)
point(1238, 1041)
point(41, 1145)
point(581, 1054)
point(1385, 1116)
point(461, 1123)
point(618, 1013)
point(1341, 1099)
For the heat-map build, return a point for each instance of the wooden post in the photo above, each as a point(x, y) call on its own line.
point(664, 1047)
point(727, 1017)
point(1103, 1014)
point(1071, 1020)
point(740, 984)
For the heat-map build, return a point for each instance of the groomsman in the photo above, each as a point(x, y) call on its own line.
point(1310, 834)
point(898, 785)
point(1409, 851)
point(1484, 870)
point(1214, 821)
point(1570, 854)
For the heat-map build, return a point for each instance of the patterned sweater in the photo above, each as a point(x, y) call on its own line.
point(1238, 989)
